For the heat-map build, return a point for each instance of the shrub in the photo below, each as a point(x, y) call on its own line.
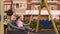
point(26, 21)
point(58, 23)
point(9, 12)
point(33, 24)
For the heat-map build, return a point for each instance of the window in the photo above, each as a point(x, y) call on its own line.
point(17, 5)
point(35, 7)
point(23, 5)
point(6, 7)
point(52, 7)
point(20, 5)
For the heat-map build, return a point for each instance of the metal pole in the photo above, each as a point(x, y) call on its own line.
point(1, 12)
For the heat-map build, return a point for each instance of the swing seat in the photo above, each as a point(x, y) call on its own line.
point(13, 25)
point(45, 23)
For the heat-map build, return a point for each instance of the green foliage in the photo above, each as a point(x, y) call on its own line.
point(45, 27)
point(33, 24)
point(9, 12)
point(58, 23)
point(42, 4)
point(26, 21)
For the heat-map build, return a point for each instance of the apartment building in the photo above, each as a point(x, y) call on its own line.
point(7, 4)
point(26, 8)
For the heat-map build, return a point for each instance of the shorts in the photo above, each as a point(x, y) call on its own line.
point(5, 26)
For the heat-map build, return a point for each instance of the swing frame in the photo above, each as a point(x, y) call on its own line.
point(2, 14)
point(53, 23)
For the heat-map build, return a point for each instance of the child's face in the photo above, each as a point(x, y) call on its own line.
point(20, 18)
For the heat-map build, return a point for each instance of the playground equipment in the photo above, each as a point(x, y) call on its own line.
point(2, 13)
point(44, 4)
point(13, 25)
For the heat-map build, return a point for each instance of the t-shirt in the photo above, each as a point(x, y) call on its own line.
point(19, 23)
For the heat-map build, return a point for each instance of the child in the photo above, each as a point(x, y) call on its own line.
point(20, 23)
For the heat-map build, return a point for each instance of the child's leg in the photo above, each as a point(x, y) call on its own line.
point(28, 28)
point(21, 28)
point(6, 30)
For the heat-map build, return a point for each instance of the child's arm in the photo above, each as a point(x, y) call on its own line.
point(25, 24)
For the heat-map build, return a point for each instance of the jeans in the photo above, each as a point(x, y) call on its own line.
point(25, 27)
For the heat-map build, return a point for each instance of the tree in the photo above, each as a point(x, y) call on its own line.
point(9, 12)
point(42, 4)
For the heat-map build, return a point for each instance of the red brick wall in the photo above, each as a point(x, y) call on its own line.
point(59, 0)
point(45, 17)
point(7, 0)
point(28, 0)
point(28, 4)
point(58, 6)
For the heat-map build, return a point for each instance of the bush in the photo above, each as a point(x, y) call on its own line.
point(26, 21)
point(58, 23)
point(9, 12)
point(33, 24)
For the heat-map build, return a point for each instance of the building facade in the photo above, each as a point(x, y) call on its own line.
point(26, 8)
point(7, 4)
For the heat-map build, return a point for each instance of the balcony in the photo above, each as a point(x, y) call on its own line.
point(35, 1)
point(43, 12)
point(53, 2)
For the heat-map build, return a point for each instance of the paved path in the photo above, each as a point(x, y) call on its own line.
point(18, 32)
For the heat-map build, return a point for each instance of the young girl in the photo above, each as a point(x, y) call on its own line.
point(20, 23)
